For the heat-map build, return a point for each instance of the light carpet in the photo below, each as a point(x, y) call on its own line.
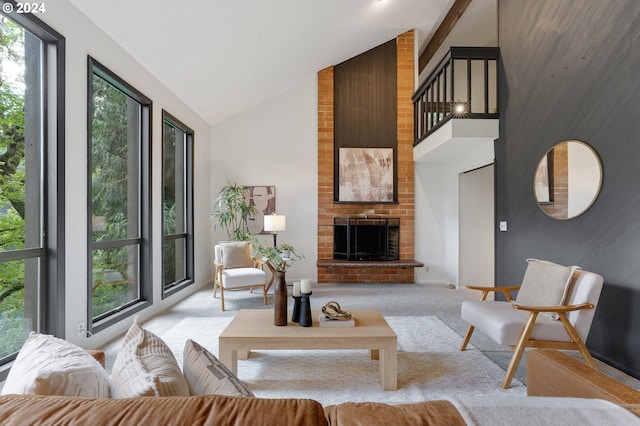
point(430, 366)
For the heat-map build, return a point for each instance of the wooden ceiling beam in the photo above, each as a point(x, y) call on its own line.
point(449, 21)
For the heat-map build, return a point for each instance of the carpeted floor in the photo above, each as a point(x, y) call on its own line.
point(395, 301)
point(429, 365)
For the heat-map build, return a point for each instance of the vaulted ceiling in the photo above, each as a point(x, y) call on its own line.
point(222, 57)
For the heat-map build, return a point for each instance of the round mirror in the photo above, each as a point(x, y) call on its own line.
point(567, 180)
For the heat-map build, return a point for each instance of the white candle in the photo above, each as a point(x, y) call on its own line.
point(296, 289)
point(305, 286)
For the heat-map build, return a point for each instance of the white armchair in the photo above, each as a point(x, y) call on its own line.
point(236, 268)
point(554, 309)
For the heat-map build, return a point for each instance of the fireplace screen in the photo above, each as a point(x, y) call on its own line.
point(356, 238)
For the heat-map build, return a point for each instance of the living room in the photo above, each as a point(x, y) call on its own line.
point(567, 73)
point(278, 121)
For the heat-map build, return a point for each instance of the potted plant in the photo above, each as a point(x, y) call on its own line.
point(231, 212)
point(278, 257)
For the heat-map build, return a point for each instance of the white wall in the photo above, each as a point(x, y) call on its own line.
point(275, 143)
point(437, 213)
point(84, 38)
point(430, 223)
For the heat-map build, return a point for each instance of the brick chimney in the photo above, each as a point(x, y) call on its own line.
point(404, 209)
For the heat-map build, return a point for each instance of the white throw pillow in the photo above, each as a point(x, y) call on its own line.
point(236, 255)
point(206, 375)
point(145, 366)
point(545, 284)
point(47, 365)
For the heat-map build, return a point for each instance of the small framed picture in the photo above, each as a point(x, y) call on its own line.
point(263, 199)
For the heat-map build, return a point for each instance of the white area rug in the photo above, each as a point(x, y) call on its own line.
point(430, 366)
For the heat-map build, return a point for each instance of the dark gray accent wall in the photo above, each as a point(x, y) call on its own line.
point(571, 70)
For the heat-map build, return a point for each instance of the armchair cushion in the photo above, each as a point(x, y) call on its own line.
point(503, 324)
point(236, 255)
point(545, 284)
point(243, 277)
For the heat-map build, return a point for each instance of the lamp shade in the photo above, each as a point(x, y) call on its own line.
point(275, 222)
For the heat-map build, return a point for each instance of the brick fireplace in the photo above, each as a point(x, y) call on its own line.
point(399, 271)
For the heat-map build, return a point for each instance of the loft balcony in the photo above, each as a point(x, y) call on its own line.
point(464, 84)
point(457, 105)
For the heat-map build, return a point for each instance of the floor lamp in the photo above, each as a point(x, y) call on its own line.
point(274, 223)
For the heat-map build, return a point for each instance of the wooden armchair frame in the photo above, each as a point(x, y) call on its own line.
point(217, 282)
point(525, 341)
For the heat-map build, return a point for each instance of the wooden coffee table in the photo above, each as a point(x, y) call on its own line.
point(254, 329)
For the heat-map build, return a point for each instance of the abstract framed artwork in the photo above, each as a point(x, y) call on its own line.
point(366, 175)
point(263, 199)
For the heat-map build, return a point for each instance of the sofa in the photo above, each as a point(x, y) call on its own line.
point(559, 388)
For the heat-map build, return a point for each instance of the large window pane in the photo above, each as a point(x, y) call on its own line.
point(175, 262)
point(119, 263)
point(173, 168)
point(13, 324)
point(115, 278)
point(20, 189)
point(115, 158)
point(29, 280)
point(177, 203)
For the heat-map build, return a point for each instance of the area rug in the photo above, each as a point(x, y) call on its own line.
point(430, 366)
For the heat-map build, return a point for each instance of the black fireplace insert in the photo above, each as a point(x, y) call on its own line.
point(367, 239)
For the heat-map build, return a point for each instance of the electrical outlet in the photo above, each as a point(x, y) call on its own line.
point(82, 329)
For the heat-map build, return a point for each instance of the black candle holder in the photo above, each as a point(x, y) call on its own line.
point(305, 310)
point(295, 317)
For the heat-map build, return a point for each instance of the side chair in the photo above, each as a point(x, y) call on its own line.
point(554, 309)
point(236, 268)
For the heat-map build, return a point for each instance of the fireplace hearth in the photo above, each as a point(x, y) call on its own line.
point(366, 239)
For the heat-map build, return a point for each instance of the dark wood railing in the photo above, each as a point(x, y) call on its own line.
point(464, 84)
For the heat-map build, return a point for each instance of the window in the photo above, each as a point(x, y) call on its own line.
point(31, 192)
point(177, 205)
point(119, 198)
